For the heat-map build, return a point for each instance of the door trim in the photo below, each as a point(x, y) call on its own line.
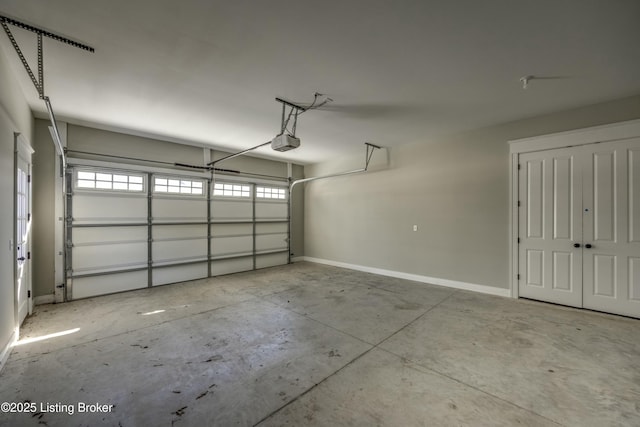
point(591, 135)
point(23, 149)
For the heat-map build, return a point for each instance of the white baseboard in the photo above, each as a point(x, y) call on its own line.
point(6, 351)
point(44, 299)
point(297, 259)
point(415, 277)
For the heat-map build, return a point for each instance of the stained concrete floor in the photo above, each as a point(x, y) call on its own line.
point(314, 345)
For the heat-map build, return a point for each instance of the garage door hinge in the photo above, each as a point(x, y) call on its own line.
point(28, 217)
point(518, 240)
point(29, 178)
point(518, 276)
point(518, 203)
point(28, 255)
point(518, 166)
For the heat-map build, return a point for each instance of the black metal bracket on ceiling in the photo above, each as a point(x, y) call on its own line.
point(38, 82)
point(45, 33)
point(296, 110)
point(369, 153)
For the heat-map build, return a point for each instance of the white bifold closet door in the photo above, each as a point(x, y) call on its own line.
point(579, 226)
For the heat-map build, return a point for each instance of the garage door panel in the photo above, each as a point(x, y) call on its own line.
point(231, 245)
point(271, 241)
point(221, 230)
point(271, 210)
point(108, 256)
point(84, 287)
point(160, 232)
point(271, 260)
point(108, 208)
point(231, 209)
point(272, 227)
point(232, 265)
point(177, 250)
point(84, 235)
point(179, 273)
point(178, 209)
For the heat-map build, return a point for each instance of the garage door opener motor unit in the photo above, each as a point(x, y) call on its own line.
point(285, 142)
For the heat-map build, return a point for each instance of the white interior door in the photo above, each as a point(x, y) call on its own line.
point(550, 227)
point(612, 227)
point(579, 226)
point(23, 229)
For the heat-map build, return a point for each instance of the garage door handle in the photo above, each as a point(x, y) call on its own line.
point(588, 246)
point(576, 245)
point(21, 258)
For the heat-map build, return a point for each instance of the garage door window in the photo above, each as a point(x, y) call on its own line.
point(270, 193)
point(178, 186)
point(105, 180)
point(231, 190)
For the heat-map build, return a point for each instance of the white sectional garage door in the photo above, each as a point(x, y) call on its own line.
point(129, 230)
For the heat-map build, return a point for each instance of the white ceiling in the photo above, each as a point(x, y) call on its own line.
point(207, 72)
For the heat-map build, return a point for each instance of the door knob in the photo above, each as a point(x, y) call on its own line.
point(588, 246)
point(576, 245)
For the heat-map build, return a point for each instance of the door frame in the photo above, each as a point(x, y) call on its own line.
point(591, 135)
point(23, 149)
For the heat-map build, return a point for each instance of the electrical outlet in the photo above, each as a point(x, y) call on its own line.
point(415, 228)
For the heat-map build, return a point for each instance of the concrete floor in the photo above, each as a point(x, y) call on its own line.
point(308, 344)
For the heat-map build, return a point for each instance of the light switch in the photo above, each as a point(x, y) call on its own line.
point(415, 227)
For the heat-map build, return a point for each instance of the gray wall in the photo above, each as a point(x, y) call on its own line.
point(81, 138)
point(15, 116)
point(91, 140)
point(456, 189)
point(44, 220)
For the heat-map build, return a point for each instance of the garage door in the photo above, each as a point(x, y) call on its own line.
point(131, 229)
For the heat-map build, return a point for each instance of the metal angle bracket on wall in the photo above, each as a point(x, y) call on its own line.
point(297, 109)
point(38, 82)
